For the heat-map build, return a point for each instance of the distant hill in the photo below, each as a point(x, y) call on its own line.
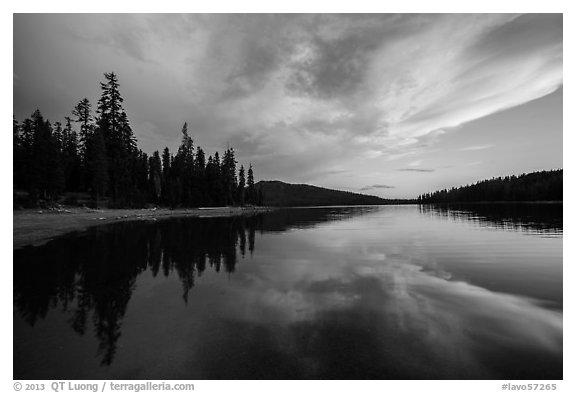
point(535, 186)
point(277, 193)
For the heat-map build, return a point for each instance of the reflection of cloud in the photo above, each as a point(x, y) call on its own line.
point(459, 325)
point(327, 299)
point(465, 329)
point(512, 320)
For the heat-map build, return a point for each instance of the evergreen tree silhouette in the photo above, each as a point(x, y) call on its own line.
point(103, 159)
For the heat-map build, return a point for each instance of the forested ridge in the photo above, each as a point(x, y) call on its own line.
point(277, 193)
point(96, 153)
point(535, 186)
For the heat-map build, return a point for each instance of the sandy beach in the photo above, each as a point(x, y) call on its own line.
point(33, 227)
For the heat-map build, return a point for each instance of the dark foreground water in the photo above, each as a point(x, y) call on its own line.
point(394, 292)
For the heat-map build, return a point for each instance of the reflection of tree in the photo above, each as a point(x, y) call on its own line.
point(539, 218)
point(296, 218)
point(94, 275)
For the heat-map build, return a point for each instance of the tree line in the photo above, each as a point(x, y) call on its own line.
point(277, 193)
point(535, 186)
point(102, 158)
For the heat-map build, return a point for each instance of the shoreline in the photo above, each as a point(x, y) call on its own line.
point(35, 227)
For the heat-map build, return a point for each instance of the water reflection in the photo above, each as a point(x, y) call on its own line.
point(529, 217)
point(94, 273)
point(339, 293)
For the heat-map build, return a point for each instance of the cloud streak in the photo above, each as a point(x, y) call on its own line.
point(475, 148)
point(415, 170)
point(300, 95)
point(376, 186)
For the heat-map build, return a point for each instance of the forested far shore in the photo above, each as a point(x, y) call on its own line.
point(539, 186)
point(102, 160)
point(277, 193)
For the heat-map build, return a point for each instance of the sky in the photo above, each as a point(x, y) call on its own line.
point(389, 105)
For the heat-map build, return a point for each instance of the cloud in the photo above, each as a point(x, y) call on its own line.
point(302, 95)
point(415, 170)
point(376, 186)
point(386, 86)
point(475, 148)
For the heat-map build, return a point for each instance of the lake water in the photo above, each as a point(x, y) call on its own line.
point(390, 292)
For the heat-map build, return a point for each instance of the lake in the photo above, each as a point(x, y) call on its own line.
point(382, 292)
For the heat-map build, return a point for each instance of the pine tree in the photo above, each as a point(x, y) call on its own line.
point(110, 108)
point(138, 194)
point(200, 162)
point(104, 159)
point(217, 187)
point(229, 180)
point(166, 180)
point(71, 158)
point(186, 149)
point(241, 186)
point(26, 145)
point(184, 168)
point(46, 177)
point(97, 164)
point(214, 181)
point(82, 112)
point(118, 139)
point(199, 182)
point(18, 175)
point(58, 136)
point(536, 186)
point(15, 131)
point(155, 177)
point(127, 135)
point(251, 191)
